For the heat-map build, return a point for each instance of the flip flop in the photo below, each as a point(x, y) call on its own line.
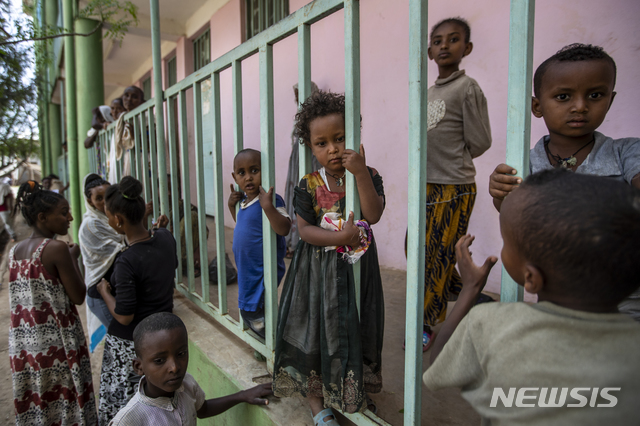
point(319, 419)
point(370, 403)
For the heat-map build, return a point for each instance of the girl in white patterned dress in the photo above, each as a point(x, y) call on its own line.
point(50, 366)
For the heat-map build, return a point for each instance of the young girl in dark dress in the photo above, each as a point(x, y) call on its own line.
point(142, 284)
point(325, 350)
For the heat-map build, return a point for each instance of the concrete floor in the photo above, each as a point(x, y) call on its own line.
point(442, 408)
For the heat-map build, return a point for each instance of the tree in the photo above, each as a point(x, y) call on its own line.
point(24, 56)
point(17, 94)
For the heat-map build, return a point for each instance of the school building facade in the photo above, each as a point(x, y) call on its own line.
point(226, 84)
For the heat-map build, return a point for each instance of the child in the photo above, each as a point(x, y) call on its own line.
point(124, 139)
point(117, 108)
point(324, 347)
point(162, 357)
point(573, 91)
point(570, 349)
point(101, 119)
point(100, 244)
point(247, 235)
point(50, 364)
point(458, 132)
point(141, 284)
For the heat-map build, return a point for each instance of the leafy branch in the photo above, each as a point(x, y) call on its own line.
point(118, 15)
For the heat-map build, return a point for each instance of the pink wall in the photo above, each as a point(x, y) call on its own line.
point(384, 74)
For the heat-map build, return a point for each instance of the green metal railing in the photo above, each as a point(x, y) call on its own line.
point(148, 159)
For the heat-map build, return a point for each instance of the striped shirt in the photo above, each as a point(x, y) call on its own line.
point(163, 411)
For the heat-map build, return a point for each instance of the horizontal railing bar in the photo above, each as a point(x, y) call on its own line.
point(309, 14)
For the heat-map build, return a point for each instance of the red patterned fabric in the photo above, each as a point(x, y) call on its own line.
point(50, 365)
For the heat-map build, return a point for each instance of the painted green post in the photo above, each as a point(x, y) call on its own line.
point(90, 87)
point(159, 104)
point(267, 145)
point(200, 192)
point(304, 89)
point(418, 84)
point(352, 112)
point(55, 137)
point(218, 190)
point(519, 108)
point(68, 8)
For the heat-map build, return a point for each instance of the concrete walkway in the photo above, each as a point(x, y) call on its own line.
point(438, 409)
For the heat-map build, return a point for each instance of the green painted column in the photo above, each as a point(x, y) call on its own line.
point(68, 8)
point(55, 137)
point(90, 86)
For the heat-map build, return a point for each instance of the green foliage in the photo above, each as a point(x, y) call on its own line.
point(25, 42)
point(17, 91)
point(119, 15)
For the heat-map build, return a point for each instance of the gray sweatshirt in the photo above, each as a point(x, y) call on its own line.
point(458, 129)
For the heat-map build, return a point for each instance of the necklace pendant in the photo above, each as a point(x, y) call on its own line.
point(571, 161)
point(339, 182)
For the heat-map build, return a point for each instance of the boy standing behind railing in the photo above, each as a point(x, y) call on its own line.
point(247, 236)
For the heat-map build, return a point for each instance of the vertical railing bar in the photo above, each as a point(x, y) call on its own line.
point(238, 131)
point(154, 162)
point(521, 24)
point(218, 191)
point(268, 174)
point(200, 191)
point(304, 89)
point(154, 8)
point(174, 184)
point(146, 179)
point(186, 188)
point(417, 183)
point(134, 153)
point(352, 112)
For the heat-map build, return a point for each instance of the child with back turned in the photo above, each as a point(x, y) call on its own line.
point(167, 394)
point(247, 235)
point(458, 132)
point(50, 366)
point(325, 350)
point(573, 91)
point(141, 284)
point(572, 358)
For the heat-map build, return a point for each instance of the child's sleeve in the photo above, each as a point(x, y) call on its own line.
point(125, 285)
point(458, 364)
point(303, 203)
point(630, 158)
point(281, 208)
point(475, 121)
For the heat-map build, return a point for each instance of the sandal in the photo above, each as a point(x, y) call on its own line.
point(319, 419)
point(426, 342)
point(371, 403)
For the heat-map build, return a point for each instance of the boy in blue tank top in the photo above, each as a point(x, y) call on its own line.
point(247, 236)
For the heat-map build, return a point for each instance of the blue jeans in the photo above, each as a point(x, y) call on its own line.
point(100, 310)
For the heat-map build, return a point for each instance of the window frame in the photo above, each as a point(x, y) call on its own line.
point(261, 14)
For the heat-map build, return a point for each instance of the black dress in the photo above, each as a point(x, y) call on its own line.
point(322, 348)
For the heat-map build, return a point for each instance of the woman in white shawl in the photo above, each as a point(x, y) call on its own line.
point(99, 245)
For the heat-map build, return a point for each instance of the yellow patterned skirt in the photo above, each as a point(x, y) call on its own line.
point(448, 211)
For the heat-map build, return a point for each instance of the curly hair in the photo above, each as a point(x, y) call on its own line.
point(319, 104)
point(32, 200)
point(126, 199)
point(572, 53)
point(458, 21)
